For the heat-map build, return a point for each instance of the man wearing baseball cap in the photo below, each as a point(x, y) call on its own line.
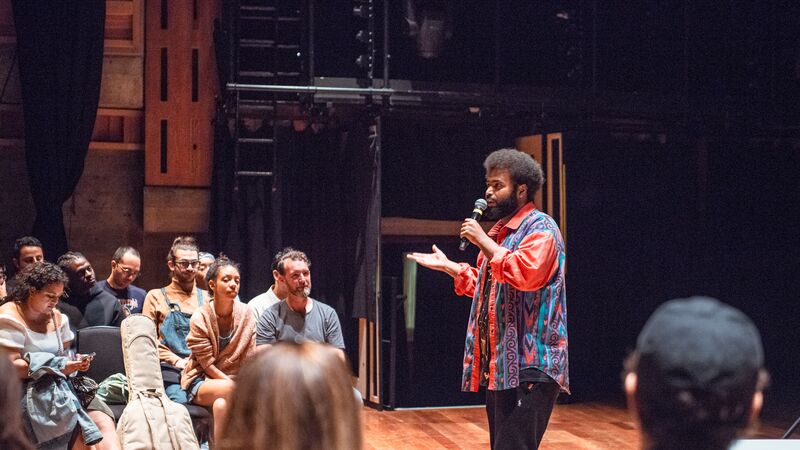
point(696, 377)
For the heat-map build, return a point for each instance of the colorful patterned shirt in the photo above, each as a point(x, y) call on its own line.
point(527, 303)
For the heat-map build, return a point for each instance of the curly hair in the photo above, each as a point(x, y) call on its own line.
point(521, 166)
point(35, 276)
point(218, 264)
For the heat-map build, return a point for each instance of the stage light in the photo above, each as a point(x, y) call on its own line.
point(364, 61)
point(364, 10)
point(361, 11)
point(363, 36)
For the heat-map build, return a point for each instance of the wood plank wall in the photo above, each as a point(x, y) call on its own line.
point(112, 204)
point(180, 92)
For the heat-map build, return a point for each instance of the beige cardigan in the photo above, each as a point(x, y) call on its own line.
point(203, 341)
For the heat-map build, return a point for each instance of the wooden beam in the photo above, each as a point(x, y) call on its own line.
point(176, 209)
point(402, 226)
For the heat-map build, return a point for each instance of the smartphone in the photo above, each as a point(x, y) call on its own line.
point(84, 357)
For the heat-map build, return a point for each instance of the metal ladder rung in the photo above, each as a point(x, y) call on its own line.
point(271, 18)
point(258, 43)
point(253, 173)
point(256, 73)
point(256, 140)
point(270, 9)
point(255, 103)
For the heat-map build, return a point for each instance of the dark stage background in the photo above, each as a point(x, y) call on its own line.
point(648, 221)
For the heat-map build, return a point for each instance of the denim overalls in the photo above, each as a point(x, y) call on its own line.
point(174, 330)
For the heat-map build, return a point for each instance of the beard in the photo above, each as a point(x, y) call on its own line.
point(304, 292)
point(504, 207)
point(183, 277)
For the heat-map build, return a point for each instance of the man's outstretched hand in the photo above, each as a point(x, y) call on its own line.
point(436, 261)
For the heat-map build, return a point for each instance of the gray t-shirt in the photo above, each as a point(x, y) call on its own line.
point(279, 323)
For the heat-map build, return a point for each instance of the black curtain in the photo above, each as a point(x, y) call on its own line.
point(331, 211)
point(60, 51)
point(327, 201)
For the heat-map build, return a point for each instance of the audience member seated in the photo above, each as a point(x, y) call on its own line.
point(12, 434)
point(293, 397)
point(276, 292)
point(299, 317)
point(205, 259)
point(36, 335)
point(86, 303)
point(221, 337)
point(696, 377)
point(27, 250)
point(171, 307)
point(125, 268)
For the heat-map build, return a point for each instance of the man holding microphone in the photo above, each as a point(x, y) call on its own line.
point(516, 344)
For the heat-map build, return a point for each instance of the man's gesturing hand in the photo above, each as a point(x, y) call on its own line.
point(436, 261)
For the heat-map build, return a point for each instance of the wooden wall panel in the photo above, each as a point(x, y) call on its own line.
point(178, 125)
point(532, 145)
point(114, 129)
point(124, 27)
point(548, 150)
point(176, 210)
point(122, 86)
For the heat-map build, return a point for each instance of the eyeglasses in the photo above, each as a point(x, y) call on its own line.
point(128, 271)
point(183, 264)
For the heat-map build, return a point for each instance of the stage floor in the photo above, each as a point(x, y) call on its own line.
point(572, 426)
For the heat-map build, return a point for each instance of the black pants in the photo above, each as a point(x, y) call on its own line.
point(518, 417)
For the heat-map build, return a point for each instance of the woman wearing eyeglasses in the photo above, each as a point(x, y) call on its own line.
point(171, 307)
point(221, 338)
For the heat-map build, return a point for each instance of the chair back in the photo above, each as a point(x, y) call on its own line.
point(106, 343)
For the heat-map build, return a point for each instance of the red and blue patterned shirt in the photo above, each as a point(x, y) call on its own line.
point(527, 303)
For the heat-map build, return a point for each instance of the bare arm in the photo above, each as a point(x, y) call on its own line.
point(214, 373)
point(22, 366)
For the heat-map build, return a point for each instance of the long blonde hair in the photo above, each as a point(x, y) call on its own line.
point(294, 396)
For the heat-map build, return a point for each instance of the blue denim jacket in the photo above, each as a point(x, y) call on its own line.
point(52, 408)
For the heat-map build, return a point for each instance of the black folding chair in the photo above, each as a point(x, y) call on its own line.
point(106, 343)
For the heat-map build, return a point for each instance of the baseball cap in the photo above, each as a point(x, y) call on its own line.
point(703, 347)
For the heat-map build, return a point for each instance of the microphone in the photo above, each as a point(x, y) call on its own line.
point(477, 213)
